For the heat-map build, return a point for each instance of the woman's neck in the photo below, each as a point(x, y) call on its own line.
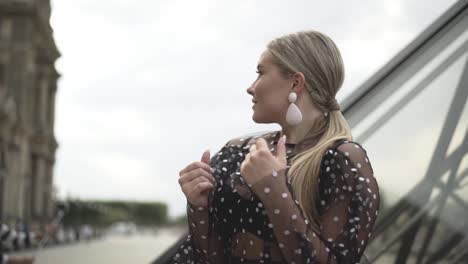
point(307, 128)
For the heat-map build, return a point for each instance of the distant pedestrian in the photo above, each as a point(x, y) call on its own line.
point(7, 234)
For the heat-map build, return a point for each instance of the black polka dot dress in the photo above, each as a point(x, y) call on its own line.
point(264, 223)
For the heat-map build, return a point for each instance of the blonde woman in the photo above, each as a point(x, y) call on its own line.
point(303, 194)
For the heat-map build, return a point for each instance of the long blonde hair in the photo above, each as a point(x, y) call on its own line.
point(317, 57)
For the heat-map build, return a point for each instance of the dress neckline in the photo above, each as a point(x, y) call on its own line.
point(310, 140)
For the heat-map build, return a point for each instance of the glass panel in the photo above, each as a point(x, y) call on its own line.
point(400, 92)
point(401, 150)
point(403, 146)
point(460, 132)
point(452, 221)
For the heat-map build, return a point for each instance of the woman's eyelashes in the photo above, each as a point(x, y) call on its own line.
point(259, 74)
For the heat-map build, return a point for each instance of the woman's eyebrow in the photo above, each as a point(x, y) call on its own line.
point(260, 66)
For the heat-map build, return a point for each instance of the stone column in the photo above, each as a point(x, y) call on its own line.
point(48, 192)
point(12, 181)
point(53, 92)
point(42, 97)
point(39, 188)
point(3, 173)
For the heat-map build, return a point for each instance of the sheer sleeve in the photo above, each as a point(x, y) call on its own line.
point(348, 207)
point(204, 234)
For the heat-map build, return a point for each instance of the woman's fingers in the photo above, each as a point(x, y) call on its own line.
point(196, 180)
point(202, 186)
point(190, 188)
point(196, 165)
point(195, 174)
point(261, 144)
point(187, 187)
point(206, 157)
point(199, 173)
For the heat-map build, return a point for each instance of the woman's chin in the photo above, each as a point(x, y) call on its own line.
point(254, 118)
point(258, 119)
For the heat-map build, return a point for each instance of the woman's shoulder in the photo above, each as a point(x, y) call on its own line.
point(350, 153)
point(345, 158)
point(348, 148)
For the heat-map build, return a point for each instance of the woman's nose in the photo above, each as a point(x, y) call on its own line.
point(250, 90)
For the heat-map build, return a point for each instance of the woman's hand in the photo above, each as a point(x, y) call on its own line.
point(196, 181)
point(260, 162)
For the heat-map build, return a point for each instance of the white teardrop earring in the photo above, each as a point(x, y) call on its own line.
point(293, 115)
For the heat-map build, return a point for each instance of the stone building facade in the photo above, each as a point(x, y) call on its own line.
point(28, 86)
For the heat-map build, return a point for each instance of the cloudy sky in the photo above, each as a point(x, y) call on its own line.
point(148, 85)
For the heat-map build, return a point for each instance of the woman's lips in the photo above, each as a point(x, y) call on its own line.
point(254, 102)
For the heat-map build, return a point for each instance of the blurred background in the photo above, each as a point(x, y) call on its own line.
point(102, 103)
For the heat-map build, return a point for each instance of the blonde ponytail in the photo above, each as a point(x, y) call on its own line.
point(317, 57)
point(305, 166)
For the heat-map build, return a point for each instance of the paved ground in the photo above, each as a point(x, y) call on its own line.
point(112, 249)
point(120, 250)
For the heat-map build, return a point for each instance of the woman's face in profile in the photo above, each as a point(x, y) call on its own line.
point(270, 92)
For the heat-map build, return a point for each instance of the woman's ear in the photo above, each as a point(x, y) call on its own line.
point(298, 82)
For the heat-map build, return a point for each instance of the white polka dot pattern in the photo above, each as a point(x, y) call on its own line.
point(264, 223)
